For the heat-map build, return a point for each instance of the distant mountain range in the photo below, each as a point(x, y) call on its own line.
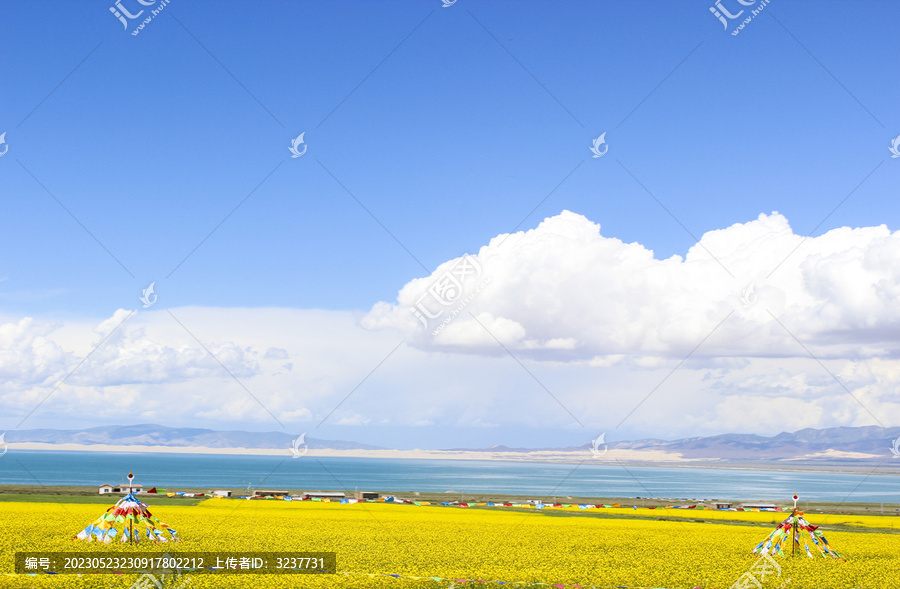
point(833, 444)
point(148, 434)
point(837, 444)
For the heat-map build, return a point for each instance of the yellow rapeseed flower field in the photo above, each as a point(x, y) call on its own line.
point(772, 517)
point(551, 546)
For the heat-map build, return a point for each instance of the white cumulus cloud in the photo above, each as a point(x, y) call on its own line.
point(563, 291)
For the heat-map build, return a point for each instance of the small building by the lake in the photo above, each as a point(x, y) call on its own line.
point(271, 493)
point(767, 506)
point(323, 495)
point(107, 488)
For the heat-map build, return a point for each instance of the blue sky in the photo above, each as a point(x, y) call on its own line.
point(429, 129)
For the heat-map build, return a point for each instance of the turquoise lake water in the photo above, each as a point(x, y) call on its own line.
point(205, 471)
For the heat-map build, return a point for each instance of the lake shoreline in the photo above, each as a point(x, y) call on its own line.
point(631, 458)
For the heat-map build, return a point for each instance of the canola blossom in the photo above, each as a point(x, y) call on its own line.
point(434, 546)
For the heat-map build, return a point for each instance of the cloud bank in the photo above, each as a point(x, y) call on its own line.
point(780, 332)
point(564, 292)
